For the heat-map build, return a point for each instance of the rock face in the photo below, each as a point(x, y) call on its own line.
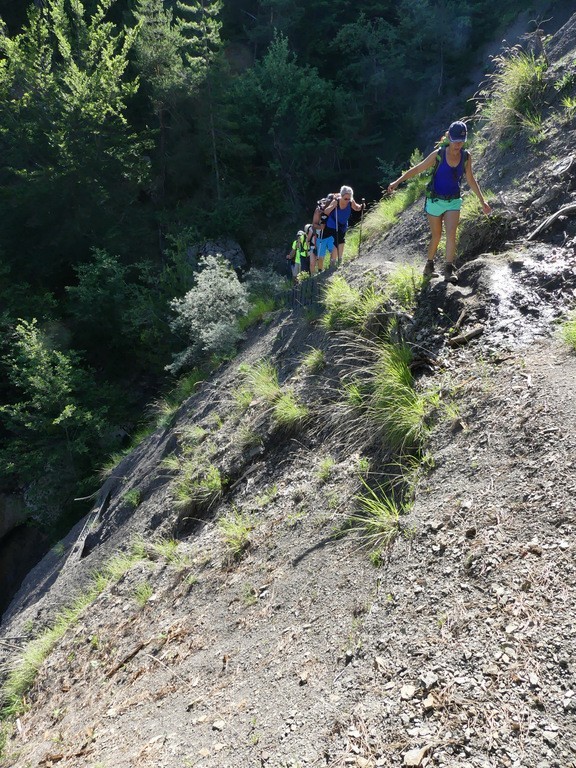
point(226, 247)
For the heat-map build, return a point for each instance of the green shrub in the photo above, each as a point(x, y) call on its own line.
point(208, 314)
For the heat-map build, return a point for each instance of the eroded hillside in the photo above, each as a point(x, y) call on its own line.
point(279, 638)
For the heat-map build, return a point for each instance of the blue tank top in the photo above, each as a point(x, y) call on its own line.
point(343, 216)
point(446, 182)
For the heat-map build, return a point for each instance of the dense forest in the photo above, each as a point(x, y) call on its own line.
point(131, 131)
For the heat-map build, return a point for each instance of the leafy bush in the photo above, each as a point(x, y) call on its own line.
point(208, 314)
point(55, 421)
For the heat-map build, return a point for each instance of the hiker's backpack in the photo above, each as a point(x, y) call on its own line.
point(321, 206)
point(458, 171)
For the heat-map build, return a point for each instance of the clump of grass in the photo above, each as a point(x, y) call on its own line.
point(198, 484)
point(288, 411)
point(568, 331)
point(142, 593)
point(348, 307)
point(325, 469)
point(262, 381)
point(267, 497)
point(259, 309)
point(515, 90)
point(133, 497)
point(235, 529)
point(193, 435)
point(394, 405)
point(377, 519)
point(363, 466)
point(314, 360)
point(340, 301)
point(569, 104)
point(403, 286)
point(247, 438)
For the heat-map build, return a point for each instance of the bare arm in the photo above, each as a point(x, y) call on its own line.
point(428, 162)
point(475, 187)
point(356, 206)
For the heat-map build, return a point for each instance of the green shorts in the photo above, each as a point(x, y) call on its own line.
point(437, 207)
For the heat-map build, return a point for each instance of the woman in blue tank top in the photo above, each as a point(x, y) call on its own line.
point(338, 212)
point(443, 199)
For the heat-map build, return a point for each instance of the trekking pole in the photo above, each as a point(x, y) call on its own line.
point(337, 233)
point(361, 220)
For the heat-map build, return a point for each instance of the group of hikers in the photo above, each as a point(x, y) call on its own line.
point(321, 243)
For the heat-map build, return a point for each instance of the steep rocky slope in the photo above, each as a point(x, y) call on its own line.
point(454, 650)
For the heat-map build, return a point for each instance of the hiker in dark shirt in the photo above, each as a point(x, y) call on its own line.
point(443, 198)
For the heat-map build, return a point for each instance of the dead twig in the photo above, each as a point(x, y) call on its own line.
point(464, 338)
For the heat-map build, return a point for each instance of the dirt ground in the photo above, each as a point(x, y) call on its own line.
point(457, 650)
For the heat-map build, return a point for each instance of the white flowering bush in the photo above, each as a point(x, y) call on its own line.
point(207, 316)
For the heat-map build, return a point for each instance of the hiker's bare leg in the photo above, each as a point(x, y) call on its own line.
point(320, 263)
point(435, 223)
point(451, 219)
point(340, 253)
point(313, 261)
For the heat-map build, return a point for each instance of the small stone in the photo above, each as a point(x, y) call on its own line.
point(429, 680)
point(407, 692)
point(218, 725)
point(550, 737)
point(414, 757)
point(429, 702)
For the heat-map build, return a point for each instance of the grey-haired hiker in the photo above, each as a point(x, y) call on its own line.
point(338, 212)
point(443, 198)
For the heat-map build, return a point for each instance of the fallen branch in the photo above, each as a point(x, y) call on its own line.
point(567, 209)
point(464, 338)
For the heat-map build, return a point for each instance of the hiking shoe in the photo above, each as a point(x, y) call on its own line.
point(429, 270)
point(450, 273)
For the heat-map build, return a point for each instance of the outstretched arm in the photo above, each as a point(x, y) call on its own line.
point(428, 162)
point(475, 187)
